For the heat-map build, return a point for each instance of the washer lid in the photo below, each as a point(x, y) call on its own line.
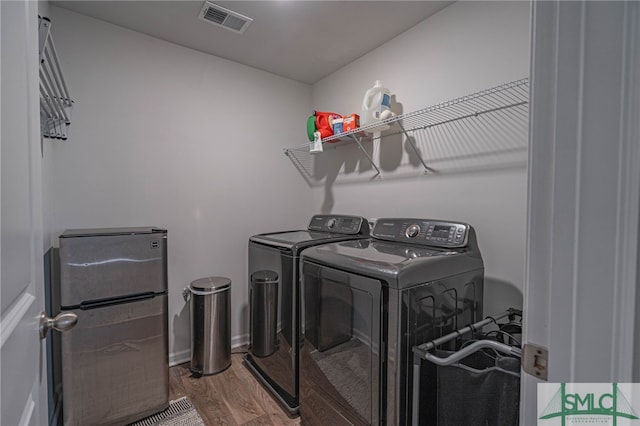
point(210, 284)
point(96, 232)
point(265, 276)
point(399, 265)
point(298, 240)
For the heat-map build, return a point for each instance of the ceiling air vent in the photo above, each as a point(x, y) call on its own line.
point(224, 18)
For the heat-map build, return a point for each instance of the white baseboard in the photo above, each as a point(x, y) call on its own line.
point(181, 357)
point(241, 340)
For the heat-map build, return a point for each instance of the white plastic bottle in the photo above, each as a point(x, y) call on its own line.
point(376, 101)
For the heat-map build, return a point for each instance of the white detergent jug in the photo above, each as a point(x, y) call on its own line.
point(376, 101)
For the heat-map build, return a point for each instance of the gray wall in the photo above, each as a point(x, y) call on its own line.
point(467, 47)
point(166, 136)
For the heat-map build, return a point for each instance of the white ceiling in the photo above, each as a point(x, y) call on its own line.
point(297, 39)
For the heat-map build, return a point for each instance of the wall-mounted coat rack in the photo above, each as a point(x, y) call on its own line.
point(55, 102)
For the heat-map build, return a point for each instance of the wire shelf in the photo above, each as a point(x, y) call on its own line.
point(491, 121)
point(496, 99)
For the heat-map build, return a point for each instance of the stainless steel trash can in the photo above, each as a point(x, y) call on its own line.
point(210, 309)
point(264, 312)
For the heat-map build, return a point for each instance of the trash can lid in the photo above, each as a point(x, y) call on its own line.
point(264, 276)
point(210, 284)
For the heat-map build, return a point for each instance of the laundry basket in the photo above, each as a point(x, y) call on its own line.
point(479, 384)
point(481, 389)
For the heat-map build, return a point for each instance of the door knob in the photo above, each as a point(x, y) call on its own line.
point(62, 322)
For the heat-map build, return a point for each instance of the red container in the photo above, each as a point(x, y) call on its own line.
point(350, 122)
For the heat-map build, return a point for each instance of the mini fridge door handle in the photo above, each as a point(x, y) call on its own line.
point(62, 322)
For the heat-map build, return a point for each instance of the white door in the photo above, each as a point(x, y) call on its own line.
point(22, 353)
point(584, 183)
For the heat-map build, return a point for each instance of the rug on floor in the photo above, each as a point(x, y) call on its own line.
point(179, 413)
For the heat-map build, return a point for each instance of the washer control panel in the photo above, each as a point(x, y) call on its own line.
point(339, 224)
point(423, 231)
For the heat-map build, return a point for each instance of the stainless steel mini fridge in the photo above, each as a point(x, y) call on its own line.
point(115, 365)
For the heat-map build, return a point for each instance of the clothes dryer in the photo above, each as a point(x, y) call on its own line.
point(274, 308)
point(366, 303)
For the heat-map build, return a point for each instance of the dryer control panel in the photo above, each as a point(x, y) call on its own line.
point(339, 224)
point(427, 232)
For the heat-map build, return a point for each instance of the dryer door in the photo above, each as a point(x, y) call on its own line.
point(340, 366)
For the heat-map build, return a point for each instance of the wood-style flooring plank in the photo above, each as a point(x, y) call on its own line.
point(269, 405)
point(242, 404)
point(204, 397)
point(233, 397)
point(263, 420)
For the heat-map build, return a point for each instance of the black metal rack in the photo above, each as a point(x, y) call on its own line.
point(424, 351)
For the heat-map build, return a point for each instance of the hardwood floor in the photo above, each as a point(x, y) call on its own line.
point(233, 397)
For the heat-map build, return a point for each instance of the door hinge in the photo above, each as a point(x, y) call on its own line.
point(535, 361)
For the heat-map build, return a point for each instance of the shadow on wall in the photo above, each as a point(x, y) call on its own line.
point(484, 131)
point(500, 295)
point(244, 325)
point(182, 332)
